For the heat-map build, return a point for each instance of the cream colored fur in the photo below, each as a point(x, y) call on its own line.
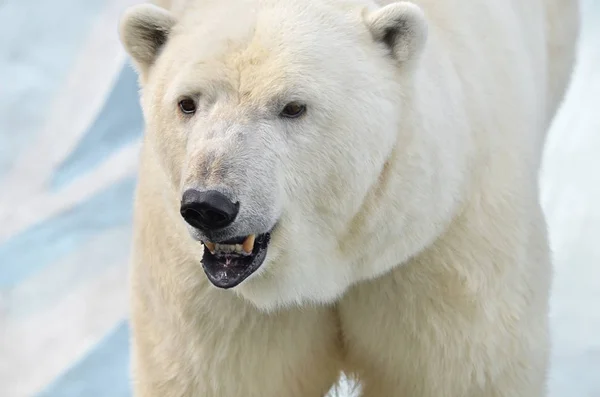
point(411, 250)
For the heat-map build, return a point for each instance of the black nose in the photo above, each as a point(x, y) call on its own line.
point(208, 210)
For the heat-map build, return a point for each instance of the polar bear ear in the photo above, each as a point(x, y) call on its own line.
point(144, 30)
point(402, 27)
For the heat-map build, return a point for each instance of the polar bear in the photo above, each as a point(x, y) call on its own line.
point(344, 186)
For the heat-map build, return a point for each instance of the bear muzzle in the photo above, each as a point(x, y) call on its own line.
point(228, 262)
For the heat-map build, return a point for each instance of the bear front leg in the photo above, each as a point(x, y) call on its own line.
point(213, 344)
point(408, 335)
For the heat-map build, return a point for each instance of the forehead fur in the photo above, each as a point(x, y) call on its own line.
point(262, 47)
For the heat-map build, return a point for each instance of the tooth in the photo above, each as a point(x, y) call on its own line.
point(226, 248)
point(248, 245)
point(210, 246)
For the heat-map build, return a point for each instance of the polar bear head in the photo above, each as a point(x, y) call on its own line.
point(274, 122)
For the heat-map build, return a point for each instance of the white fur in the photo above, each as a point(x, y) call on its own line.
point(410, 250)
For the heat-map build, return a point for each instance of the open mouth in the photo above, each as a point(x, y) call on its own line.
point(230, 262)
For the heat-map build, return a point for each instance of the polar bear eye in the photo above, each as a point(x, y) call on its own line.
point(187, 106)
point(293, 110)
